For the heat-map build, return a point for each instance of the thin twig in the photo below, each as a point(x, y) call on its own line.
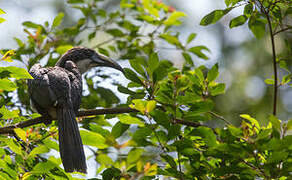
point(282, 30)
point(274, 58)
point(187, 123)
point(104, 42)
point(220, 117)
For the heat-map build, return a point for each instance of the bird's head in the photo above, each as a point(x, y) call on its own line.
point(86, 59)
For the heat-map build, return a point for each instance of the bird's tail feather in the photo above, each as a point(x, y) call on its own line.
point(70, 144)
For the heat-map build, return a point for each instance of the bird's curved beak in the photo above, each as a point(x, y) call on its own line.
point(101, 60)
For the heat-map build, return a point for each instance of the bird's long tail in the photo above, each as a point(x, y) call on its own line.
point(70, 144)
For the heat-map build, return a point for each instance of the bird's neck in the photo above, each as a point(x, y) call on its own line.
point(82, 65)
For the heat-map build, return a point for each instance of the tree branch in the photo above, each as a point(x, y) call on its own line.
point(82, 113)
point(9, 129)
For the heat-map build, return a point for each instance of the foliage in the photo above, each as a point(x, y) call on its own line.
point(169, 135)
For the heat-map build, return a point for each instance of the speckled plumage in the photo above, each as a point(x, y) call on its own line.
point(49, 95)
point(55, 92)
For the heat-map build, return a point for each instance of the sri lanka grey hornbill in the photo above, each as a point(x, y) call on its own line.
point(55, 92)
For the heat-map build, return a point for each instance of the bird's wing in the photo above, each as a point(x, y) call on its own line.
point(41, 93)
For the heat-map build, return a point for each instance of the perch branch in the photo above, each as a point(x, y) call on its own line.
point(83, 113)
point(9, 129)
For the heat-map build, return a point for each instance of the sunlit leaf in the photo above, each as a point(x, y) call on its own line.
point(39, 150)
point(173, 18)
point(7, 56)
point(213, 73)
point(134, 155)
point(63, 48)
point(58, 19)
point(93, 139)
point(2, 20)
point(252, 120)
point(127, 119)
point(8, 114)
point(20, 133)
point(150, 106)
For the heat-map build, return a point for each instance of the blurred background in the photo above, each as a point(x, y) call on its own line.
point(244, 62)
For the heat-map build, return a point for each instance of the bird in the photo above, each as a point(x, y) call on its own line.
point(55, 93)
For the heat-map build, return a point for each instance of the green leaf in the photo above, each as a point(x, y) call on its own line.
point(7, 114)
point(217, 89)
point(7, 85)
point(286, 79)
point(238, 21)
point(289, 125)
point(150, 106)
point(48, 142)
point(16, 72)
point(127, 119)
point(115, 32)
point(207, 134)
point(111, 173)
point(248, 9)
point(197, 50)
point(237, 132)
point(214, 16)
point(136, 64)
point(161, 118)
point(131, 75)
point(173, 19)
point(199, 74)
point(14, 147)
point(277, 157)
point(125, 90)
point(63, 48)
point(153, 61)
point(134, 155)
point(191, 37)
point(103, 51)
point(119, 129)
point(171, 39)
point(75, 1)
point(104, 159)
point(270, 81)
point(8, 55)
point(141, 135)
point(257, 26)
point(30, 24)
point(45, 166)
point(39, 150)
point(93, 139)
point(213, 73)
point(188, 58)
point(2, 20)
point(276, 123)
point(201, 107)
point(169, 160)
point(20, 133)
point(58, 19)
point(252, 120)
point(139, 105)
point(2, 12)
